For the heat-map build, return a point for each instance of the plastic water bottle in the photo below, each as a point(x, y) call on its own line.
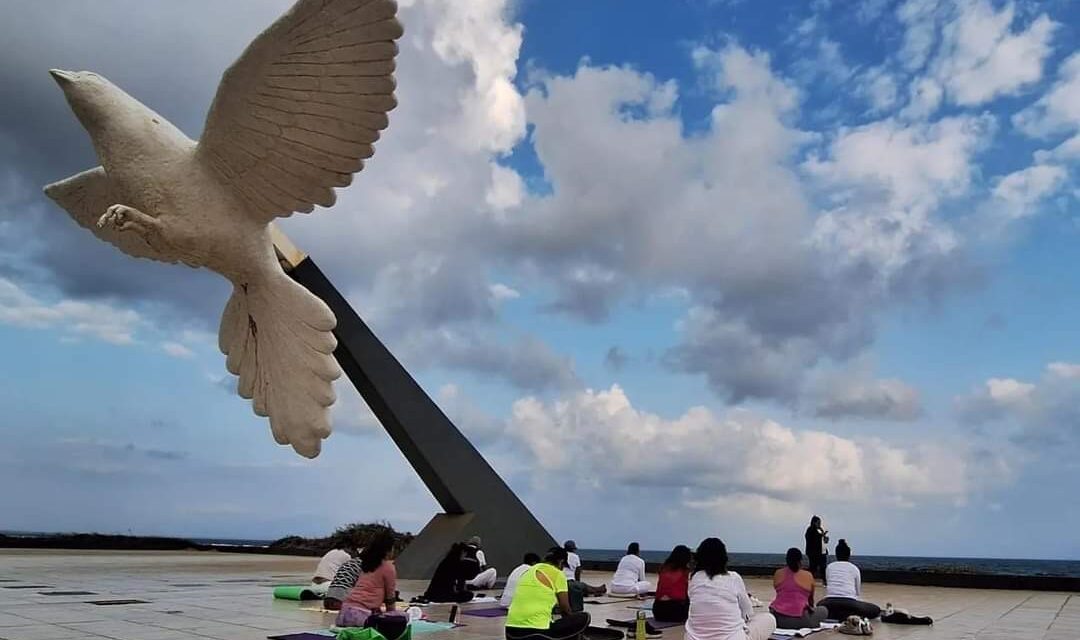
point(639, 625)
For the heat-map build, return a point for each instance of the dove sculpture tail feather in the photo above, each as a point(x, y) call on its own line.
point(277, 338)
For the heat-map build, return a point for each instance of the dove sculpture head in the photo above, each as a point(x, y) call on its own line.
point(109, 114)
point(292, 119)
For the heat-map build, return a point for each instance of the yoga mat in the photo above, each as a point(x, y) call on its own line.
point(427, 626)
point(781, 634)
point(594, 601)
point(645, 606)
point(68, 593)
point(600, 633)
point(295, 592)
point(106, 603)
point(307, 635)
point(656, 624)
point(492, 612)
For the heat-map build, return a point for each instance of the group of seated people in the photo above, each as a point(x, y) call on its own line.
point(695, 588)
point(711, 600)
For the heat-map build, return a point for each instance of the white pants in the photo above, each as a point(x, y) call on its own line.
point(636, 589)
point(485, 579)
point(760, 626)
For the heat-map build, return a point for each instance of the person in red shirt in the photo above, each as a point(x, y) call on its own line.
point(672, 603)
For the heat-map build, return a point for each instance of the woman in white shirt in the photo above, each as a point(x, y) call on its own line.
point(844, 589)
point(720, 608)
point(629, 577)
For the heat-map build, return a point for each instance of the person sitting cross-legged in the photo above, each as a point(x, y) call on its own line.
point(375, 588)
point(720, 608)
point(343, 582)
point(448, 582)
point(540, 589)
point(629, 579)
point(672, 603)
point(530, 560)
point(793, 606)
point(845, 587)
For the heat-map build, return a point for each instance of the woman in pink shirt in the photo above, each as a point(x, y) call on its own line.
point(376, 586)
point(794, 607)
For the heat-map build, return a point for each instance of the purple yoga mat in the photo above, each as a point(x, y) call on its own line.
point(490, 612)
point(300, 636)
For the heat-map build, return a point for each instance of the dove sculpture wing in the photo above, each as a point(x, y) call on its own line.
point(298, 113)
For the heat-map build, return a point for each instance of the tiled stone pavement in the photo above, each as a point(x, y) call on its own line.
point(195, 596)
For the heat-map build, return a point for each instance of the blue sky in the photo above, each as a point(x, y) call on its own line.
point(703, 270)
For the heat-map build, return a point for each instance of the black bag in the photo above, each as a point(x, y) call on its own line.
point(391, 627)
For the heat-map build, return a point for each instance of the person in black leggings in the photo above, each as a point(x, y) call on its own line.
point(845, 588)
point(540, 589)
point(816, 539)
point(448, 583)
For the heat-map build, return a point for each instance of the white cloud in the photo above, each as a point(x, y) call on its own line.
point(855, 393)
point(95, 319)
point(983, 57)
point(879, 87)
point(501, 292)
point(1020, 192)
point(1059, 108)
point(177, 350)
point(888, 179)
point(968, 53)
point(605, 439)
point(1038, 414)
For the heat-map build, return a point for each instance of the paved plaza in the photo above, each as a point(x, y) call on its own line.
point(196, 595)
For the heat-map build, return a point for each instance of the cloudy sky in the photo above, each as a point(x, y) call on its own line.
point(703, 270)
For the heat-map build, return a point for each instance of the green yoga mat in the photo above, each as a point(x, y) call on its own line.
point(295, 592)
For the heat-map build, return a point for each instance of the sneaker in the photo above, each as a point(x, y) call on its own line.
point(856, 626)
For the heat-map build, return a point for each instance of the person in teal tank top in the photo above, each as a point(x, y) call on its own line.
point(539, 591)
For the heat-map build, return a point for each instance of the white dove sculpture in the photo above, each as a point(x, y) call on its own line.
point(293, 118)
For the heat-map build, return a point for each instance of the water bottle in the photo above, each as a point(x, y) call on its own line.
point(639, 625)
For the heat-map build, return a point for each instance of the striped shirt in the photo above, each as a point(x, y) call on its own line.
point(344, 580)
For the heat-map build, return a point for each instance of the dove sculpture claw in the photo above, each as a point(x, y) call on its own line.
point(293, 118)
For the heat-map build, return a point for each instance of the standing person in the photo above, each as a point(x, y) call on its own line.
point(672, 603)
point(528, 561)
point(629, 577)
point(720, 608)
point(482, 576)
point(845, 587)
point(817, 541)
point(376, 587)
point(448, 583)
point(572, 570)
point(540, 589)
point(793, 606)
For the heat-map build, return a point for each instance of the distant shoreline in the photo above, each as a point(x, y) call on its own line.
point(980, 573)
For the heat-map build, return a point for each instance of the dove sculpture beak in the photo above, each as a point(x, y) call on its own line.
point(62, 77)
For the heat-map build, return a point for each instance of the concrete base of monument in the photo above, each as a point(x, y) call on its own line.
point(503, 549)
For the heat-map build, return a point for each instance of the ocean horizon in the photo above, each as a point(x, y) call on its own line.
point(936, 564)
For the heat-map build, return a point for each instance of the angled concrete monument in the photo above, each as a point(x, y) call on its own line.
point(475, 499)
point(293, 118)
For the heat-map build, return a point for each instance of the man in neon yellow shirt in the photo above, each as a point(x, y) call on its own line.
point(538, 591)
